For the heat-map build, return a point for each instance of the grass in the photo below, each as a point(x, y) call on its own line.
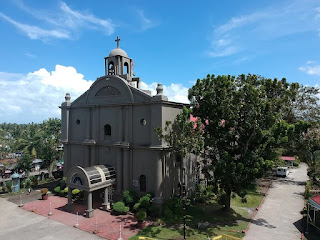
point(230, 222)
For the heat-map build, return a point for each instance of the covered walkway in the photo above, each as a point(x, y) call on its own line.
point(91, 179)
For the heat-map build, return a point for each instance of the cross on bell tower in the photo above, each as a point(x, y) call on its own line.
point(117, 40)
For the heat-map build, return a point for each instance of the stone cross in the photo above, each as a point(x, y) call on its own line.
point(117, 40)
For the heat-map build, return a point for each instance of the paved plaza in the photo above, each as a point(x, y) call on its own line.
point(16, 223)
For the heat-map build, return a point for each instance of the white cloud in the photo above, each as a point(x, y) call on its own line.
point(63, 23)
point(35, 96)
point(75, 19)
point(34, 32)
point(174, 92)
point(249, 31)
point(311, 68)
point(146, 23)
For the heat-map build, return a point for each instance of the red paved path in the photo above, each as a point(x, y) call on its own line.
point(108, 225)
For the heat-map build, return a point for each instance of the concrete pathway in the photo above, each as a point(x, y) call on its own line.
point(279, 216)
point(19, 224)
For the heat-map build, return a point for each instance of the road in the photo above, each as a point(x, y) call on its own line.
point(279, 216)
point(19, 224)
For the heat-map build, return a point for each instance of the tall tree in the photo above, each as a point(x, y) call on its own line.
point(240, 116)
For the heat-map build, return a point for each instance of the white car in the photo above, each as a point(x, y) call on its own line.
point(282, 171)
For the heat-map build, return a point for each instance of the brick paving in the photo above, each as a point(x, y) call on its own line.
point(107, 224)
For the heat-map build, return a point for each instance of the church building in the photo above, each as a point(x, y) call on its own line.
point(109, 139)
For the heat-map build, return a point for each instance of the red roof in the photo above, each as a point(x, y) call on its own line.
point(316, 199)
point(287, 158)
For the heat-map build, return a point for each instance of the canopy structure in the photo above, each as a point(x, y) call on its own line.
point(91, 179)
point(313, 216)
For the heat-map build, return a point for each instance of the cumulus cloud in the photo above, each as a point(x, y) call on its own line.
point(174, 92)
point(62, 23)
point(311, 68)
point(249, 31)
point(35, 96)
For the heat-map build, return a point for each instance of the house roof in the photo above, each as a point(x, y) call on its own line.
point(287, 158)
point(315, 201)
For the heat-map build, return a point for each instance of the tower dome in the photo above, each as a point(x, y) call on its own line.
point(118, 52)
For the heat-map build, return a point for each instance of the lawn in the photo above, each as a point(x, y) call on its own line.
point(221, 222)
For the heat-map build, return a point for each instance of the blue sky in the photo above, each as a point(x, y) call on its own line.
point(48, 48)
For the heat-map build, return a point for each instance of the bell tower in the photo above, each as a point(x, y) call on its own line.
point(118, 63)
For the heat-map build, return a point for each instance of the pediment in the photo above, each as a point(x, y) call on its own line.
point(108, 91)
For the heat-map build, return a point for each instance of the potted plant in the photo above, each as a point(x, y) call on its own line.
point(141, 216)
point(44, 192)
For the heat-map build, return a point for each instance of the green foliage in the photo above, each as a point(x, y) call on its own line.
point(182, 135)
point(27, 183)
point(66, 190)
point(120, 208)
point(145, 201)
point(8, 185)
point(241, 118)
point(173, 206)
point(203, 195)
point(141, 215)
point(25, 162)
point(57, 189)
point(75, 191)
point(62, 183)
point(136, 207)
point(296, 163)
point(307, 193)
point(129, 198)
point(34, 181)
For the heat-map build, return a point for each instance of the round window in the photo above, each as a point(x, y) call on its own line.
point(143, 122)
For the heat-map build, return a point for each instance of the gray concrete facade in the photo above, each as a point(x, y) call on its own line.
point(113, 123)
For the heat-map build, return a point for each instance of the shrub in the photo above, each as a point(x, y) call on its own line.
point(34, 181)
point(145, 201)
point(44, 191)
point(296, 163)
point(120, 208)
point(136, 207)
point(307, 193)
point(66, 190)
point(1, 189)
point(75, 191)
point(168, 213)
point(129, 198)
point(141, 215)
point(57, 189)
point(174, 205)
point(62, 183)
point(8, 185)
point(27, 183)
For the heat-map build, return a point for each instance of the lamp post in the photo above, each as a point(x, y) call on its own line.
point(184, 209)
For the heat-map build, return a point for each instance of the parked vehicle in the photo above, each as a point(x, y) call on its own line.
point(282, 171)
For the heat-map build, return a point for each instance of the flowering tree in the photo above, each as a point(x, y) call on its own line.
point(242, 119)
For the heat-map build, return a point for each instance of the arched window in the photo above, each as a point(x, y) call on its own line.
point(111, 68)
point(143, 183)
point(107, 130)
point(125, 68)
